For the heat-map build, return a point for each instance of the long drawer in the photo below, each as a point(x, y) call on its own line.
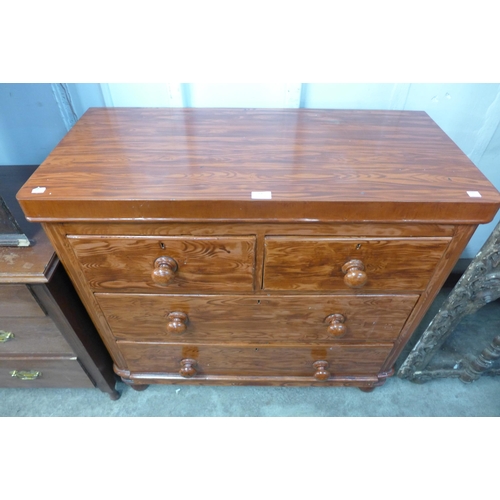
point(254, 360)
point(332, 264)
point(167, 264)
point(276, 319)
point(63, 372)
point(25, 336)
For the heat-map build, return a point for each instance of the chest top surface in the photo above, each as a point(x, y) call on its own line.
point(308, 164)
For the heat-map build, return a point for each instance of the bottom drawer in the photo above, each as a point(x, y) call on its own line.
point(191, 361)
point(65, 372)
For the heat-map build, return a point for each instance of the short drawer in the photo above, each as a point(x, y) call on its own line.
point(27, 336)
point(64, 372)
point(253, 360)
point(330, 264)
point(166, 264)
point(258, 319)
point(17, 301)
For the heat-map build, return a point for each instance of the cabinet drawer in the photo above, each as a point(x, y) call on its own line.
point(65, 372)
point(26, 336)
point(262, 319)
point(254, 360)
point(167, 264)
point(17, 301)
point(322, 264)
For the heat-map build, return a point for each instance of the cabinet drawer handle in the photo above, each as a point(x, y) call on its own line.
point(26, 375)
point(177, 322)
point(187, 368)
point(355, 276)
point(164, 270)
point(336, 325)
point(5, 336)
point(321, 370)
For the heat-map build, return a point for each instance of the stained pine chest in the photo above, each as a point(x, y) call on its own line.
point(257, 246)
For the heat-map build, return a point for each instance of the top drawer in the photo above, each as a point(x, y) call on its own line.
point(316, 264)
point(152, 264)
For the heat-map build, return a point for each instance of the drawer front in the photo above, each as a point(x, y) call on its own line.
point(263, 319)
point(255, 360)
point(42, 373)
point(26, 336)
point(17, 301)
point(330, 264)
point(167, 264)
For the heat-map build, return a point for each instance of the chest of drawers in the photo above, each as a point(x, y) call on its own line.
point(46, 337)
point(232, 246)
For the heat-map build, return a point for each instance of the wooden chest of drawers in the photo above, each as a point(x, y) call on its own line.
point(46, 337)
point(287, 247)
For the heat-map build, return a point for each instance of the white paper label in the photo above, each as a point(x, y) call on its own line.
point(474, 194)
point(262, 195)
point(38, 190)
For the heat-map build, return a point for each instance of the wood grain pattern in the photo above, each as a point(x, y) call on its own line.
point(203, 263)
point(257, 360)
point(322, 165)
point(220, 318)
point(18, 301)
point(264, 228)
point(314, 264)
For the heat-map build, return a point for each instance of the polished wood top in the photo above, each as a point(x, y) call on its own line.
point(199, 163)
point(33, 264)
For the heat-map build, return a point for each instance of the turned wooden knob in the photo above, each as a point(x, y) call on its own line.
point(321, 370)
point(355, 276)
point(177, 322)
point(164, 270)
point(187, 368)
point(336, 325)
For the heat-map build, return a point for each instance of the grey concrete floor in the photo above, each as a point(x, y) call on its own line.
point(397, 398)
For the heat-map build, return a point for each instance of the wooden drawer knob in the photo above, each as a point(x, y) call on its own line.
point(321, 370)
point(355, 276)
point(187, 368)
point(164, 270)
point(177, 322)
point(336, 325)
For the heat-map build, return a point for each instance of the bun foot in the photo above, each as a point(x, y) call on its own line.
point(133, 385)
point(366, 389)
point(139, 387)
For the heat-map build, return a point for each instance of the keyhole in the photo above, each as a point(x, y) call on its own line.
point(358, 246)
point(162, 246)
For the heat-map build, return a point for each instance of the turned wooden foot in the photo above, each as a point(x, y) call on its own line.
point(366, 389)
point(114, 396)
point(133, 385)
point(139, 387)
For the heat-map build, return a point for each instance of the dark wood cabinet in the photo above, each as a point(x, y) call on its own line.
point(234, 246)
point(46, 336)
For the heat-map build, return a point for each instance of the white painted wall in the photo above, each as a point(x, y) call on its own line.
point(34, 117)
